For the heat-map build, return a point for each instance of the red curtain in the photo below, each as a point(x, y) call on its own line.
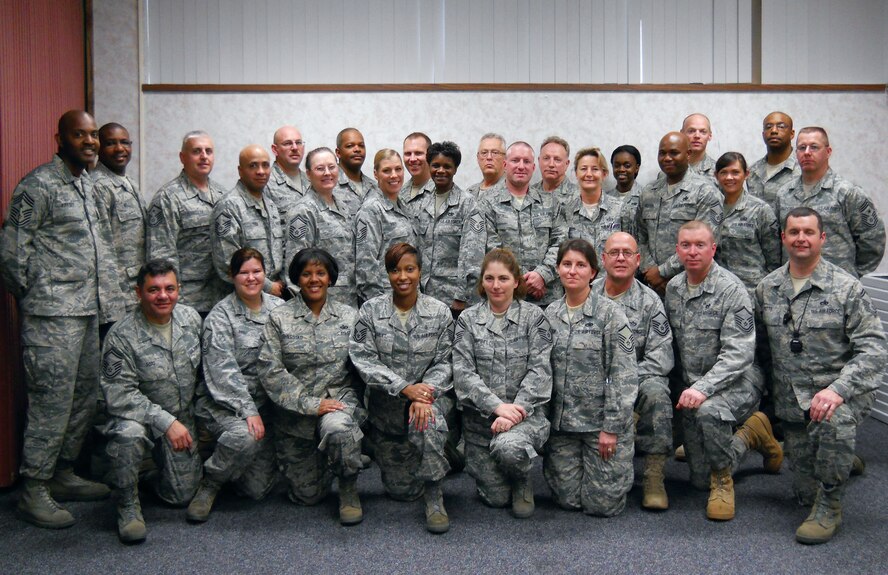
point(42, 75)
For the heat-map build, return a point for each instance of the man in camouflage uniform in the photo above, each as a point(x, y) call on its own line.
point(666, 204)
point(247, 217)
point(416, 146)
point(528, 222)
point(305, 370)
point(150, 368)
point(711, 316)
point(491, 160)
point(57, 259)
point(855, 230)
point(653, 351)
point(554, 160)
point(699, 133)
point(779, 166)
point(179, 220)
point(354, 186)
point(120, 203)
point(828, 351)
point(392, 356)
point(287, 183)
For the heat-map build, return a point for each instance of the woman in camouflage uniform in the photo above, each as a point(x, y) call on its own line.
point(232, 404)
point(588, 460)
point(503, 380)
point(401, 347)
point(305, 370)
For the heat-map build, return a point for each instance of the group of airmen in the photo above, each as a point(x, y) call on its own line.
point(722, 288)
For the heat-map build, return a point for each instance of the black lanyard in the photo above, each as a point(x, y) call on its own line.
point(795, 344)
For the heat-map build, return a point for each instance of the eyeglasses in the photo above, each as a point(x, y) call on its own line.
point(617, 253)
point(292, 144)
point(490, 153)
point(779, 125)
point(813, 148)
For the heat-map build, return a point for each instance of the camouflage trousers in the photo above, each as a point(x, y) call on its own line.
point(62, 360)
point(238, 457)
point(709, 430)
point(179, 471)
point(406, 462)
point(497, 461)
point(580, 479)
point(653, 432)
point(821, 452)
point(312, 450)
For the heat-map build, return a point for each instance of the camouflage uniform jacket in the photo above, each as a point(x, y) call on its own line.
point(56, 252)
point(390, 357)
point(179, 230)
point(478, 194)
point(533, 233)
point(844, 346)
point(143, 380)
point(347, 193)
point(411, 204)
point(564, 193)
point(650, 330)
point(452, 246)
point(285, 192)
point(120, 203)
point(661, 213)
point(854, 230)
point(714, 331)
point(749, 244)
point(242, 221)
point(593, 365)
point(597, 227)
point(232, 336)
point(767, 189)
point(316, 224)
point(304, 359)
point(378, 225)
point(505, 363)
point(628, 207)
point(705, 168)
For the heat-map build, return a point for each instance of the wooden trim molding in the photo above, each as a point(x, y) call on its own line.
point(514, 87)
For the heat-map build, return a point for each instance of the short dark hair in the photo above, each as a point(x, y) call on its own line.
point(446, 149)
point(342, 134)
point(804, 212)
point(628, 149)
point(313, 256)
point(814, 130)
point(729, 158)
point(578, 245)
point(508, 259)
point(242, 256)
point(154, 268)
point(103, 131)
point(397, 251)
point(309, 156)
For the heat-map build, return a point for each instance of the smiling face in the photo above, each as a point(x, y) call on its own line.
point(158, 296)
point(115, 149)
point(672, 155)
point(803, 238)
point(313, 283)
point(77, 140)
point(499, 285)
point(323, 173)
point(625, 170)
point(621, 258)
point(695, 249)
point(519, 166)
point(442, 170)
point(415, 157)
point(731, 178)
point(197, 157)
point(404, 278)
point(249, 280)
point(254, 168)
point(390, 176)
point(590, 174)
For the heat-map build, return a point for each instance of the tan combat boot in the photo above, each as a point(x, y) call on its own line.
point(654, 491)
point(36, 506)
point(522, 498)
point(130, 523)
point(350, 512)
point(202, 503)
point(756, 432)
point(65, 485)
point(437, 520)
point(721, 496)
point(824, 519)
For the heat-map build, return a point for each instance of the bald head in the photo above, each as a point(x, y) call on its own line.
point(621, 260)
point(699, 132)
point(77, 140)
point(620, 239)
point(672, 155)
point(254, 167)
